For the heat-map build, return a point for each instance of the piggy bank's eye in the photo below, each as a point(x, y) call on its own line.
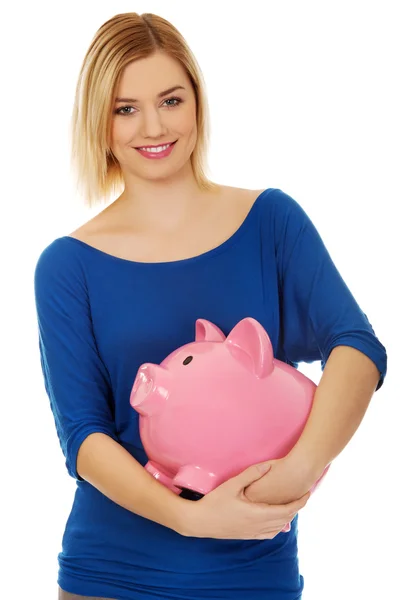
point(187, 360)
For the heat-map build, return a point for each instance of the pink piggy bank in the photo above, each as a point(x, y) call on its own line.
point(217, 405)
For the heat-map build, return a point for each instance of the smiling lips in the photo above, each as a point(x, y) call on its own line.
point(156, 151)
point(152, 147)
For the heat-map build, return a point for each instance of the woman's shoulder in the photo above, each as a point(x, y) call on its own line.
point(58, 260)
point(269, 199)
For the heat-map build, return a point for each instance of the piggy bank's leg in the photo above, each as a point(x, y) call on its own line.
point(162, 475)
point(190, 495)
point(195, 478)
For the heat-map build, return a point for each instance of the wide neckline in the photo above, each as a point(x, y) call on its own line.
point(207, 254)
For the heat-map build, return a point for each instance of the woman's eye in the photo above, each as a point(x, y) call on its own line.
point(119, 111)
point(123, 109)
point(177, 100)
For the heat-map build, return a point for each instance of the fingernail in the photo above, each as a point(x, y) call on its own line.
point(264, 467)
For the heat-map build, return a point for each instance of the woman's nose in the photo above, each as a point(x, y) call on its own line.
point(152, 123)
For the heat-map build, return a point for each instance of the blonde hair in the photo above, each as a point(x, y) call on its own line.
point(120, 40)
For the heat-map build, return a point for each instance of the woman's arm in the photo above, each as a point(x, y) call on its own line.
point(223, 513)
point(110, 468)
point(340, 402)
point(79, 389)
point(319, 320)
point(341, 399)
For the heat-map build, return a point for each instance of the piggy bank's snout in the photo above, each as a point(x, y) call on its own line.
point(150, 389)
point(142, 387)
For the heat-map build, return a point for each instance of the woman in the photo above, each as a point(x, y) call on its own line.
point(127, 287)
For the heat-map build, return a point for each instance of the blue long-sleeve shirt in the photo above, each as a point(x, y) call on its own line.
point(100, 317)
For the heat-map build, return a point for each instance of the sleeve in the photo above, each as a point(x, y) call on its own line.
point(318, 311)
point(75, 378)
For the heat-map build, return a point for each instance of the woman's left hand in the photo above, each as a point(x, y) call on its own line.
point(284, 483)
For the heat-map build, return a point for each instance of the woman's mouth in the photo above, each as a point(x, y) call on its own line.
point(158, 152)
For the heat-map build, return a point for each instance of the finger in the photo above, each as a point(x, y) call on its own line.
point(292, 516)
point(268, 535)
point(249, 475)
point(274, 526)
point(300, 502)
point(283, 511)
point(306, 496)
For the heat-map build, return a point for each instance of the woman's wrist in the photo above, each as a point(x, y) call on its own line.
point(186, 517)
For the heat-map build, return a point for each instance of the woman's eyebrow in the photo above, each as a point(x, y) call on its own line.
point(160, 95)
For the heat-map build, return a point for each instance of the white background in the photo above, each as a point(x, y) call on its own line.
point(304, 96)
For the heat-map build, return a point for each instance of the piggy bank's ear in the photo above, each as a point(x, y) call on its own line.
point(208, 332)
point(249, 344)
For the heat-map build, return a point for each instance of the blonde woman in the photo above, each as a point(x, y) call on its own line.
point(127, 287)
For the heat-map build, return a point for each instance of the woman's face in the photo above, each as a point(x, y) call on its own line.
point(143, 118)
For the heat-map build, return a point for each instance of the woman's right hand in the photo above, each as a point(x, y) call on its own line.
point(226, 513)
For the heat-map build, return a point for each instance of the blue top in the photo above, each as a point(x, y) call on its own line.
point(100, 317)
